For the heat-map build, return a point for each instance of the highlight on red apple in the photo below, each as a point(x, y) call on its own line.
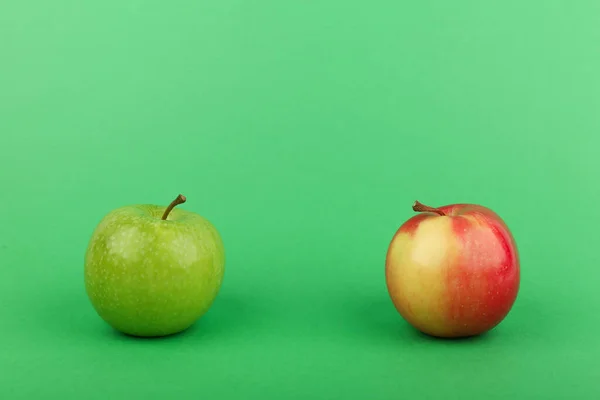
point(453, 271)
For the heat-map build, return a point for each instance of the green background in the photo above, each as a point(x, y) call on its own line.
point(303, 130)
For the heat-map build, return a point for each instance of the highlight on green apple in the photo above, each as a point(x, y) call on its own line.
point(151, 270)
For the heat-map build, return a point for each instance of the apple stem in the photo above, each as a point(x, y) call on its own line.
point(423, 208)
point(179, 200)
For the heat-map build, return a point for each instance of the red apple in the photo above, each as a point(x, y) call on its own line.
point(453, 271)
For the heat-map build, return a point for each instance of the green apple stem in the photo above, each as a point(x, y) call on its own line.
point(423, 208)
point(179, 200)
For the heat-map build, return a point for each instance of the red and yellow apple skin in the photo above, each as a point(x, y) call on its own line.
point(453, 271)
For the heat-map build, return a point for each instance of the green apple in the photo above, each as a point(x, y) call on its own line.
point(153, 271)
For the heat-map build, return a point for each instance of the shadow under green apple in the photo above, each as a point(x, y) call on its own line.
point(70, 316)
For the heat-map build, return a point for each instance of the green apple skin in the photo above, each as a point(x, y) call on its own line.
point(150, 277)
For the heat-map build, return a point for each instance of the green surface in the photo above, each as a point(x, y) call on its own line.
point(304, 131)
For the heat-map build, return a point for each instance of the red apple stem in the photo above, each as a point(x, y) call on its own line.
point(423, 208)
point(179, 200)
